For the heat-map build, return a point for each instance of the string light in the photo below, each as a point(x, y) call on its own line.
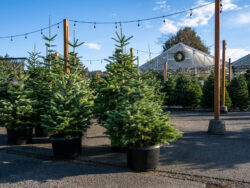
point(58, 27)
point(25, 36)
point(164, 20)
point(115, 25)
point(11, 39)
point(129, 21)
point(74, 23)
point(220, 6)
point(191, 12)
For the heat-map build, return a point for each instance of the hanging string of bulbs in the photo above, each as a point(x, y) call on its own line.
point(25, 35)
point(95, 23)
point(138, 21)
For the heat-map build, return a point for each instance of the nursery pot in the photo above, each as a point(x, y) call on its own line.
point(64, 147)
point(143, 158)
point(19, 135)
point(40, 131)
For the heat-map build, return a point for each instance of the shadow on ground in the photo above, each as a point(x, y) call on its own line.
point(204, 151)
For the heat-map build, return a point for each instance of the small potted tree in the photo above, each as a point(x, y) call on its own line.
point(141, 125)
point(69, 109)
point(16, 111)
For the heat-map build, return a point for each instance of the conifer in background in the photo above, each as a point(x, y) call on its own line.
point(247, 76)
point(207, 100)
point(187, 91)
point(168, 90)
point(239, 92)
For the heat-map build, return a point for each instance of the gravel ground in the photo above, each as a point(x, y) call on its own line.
point(21, 171)
point(195, 160)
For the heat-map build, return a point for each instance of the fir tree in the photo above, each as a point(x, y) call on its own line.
point(127, 104)
point(17, 110)
point(70, 101)
point(187, 91)
point(239, 92)
point(168, 90)
point(207, 100)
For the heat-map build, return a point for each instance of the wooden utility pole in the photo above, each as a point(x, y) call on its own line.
point(165, 71)
point(217, 62)
point(66, 44)
point(132, 53)
point(223, 72)
point(229, 68)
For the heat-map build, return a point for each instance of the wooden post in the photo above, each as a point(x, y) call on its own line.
point(229, 68)
point(165, 71)
point(57, 59)
point(132, 53)
point(66, 44)
point(223, 72)
point(217, 62)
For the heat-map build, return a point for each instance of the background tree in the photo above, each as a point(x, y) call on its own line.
point(207, 100)
point(187, 91)
point(187, 36)
point(168, 90)
point(239, 92)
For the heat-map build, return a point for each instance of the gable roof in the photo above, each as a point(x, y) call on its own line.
point(242, 62)
point(193, 59)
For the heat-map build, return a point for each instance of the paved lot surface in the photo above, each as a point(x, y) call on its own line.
point(195, 160)
point(24, 172)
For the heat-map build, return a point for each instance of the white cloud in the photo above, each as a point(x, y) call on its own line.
point(229, 5)
point(199, 17)
point(161, 5)
point(242, 18)
point(202, 15)
point(236, 53)
point(93, 46)
point(168, 27)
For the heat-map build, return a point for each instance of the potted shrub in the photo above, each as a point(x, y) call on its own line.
point(69, 109)
point(68, 115)
point(16, 112)
point(140, 125)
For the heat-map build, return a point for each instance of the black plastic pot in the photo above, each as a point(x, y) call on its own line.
point(143, 158)
point(19, 136)
point(66, 147)
point(40, 131)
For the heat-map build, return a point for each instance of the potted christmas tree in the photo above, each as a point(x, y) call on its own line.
point(130, 108)
point(16, 111)
point(69, 108)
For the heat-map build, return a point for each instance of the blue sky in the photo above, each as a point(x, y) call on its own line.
point(21, 16)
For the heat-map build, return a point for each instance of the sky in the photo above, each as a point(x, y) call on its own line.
point(23, 16)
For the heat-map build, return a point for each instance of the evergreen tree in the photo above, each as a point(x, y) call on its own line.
point(69, 101)
point(247, 76)
point(187, 91)
point(207, 100)
point(239, 92)
point(127, 104)
point(168, 90)
point(186, 36)
point(17, 110)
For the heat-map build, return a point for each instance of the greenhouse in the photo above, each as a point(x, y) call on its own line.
point(181, 58)
point(241, 65)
